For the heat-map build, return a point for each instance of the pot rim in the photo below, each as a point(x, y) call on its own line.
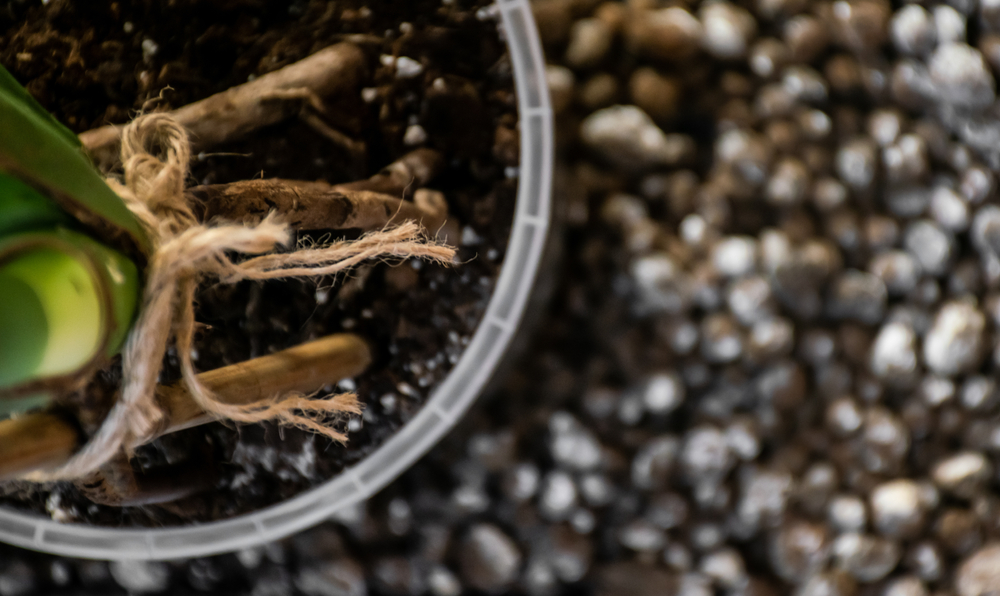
point(437, 416)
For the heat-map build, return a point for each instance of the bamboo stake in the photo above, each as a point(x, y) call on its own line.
point(43, 440)
point(236, 112)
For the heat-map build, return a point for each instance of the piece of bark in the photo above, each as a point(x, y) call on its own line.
point(43, 441)
point(334, 71)
point(308, 205)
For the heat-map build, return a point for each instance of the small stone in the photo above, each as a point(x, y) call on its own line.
point(949, 210)
point(905, 161)
point(442, 582)
point(828, 583)
point(788, 184)
point(847, 513)
point(979, 575)
point(857, 163)
point(897, 269)
point(142, 577)
point(671, 34)
point(568, 553)
point(844, 417)
point(561, 82)
point(558, 495)
point(741, 435)
point(589, 42)
point(894, 354)
point(750, 300)
point(597, 490)
point(661, 286)
point(338, 577)
point(747, 152)
point(728, 29)
point(949, 24)
point(829, 194)
point(804, 84)
point(705, 455)
point(963, 474)
point(806, 37)
point(414, 135)
point(721, 339)
point(770, 338)
point(930, 245)
point(725, 567)
point(959, 530)
point(655, 94)
point(767, 57)
point(858, 296)
point(978, 393)
point(18, 579)
point(663, 393)
point(961, 76)
point(694, 584)
point(667, 510)
point(764, 497)
point(906, 201)
point(885, 125)
point(986, 230)
point(925, 559)
point(913, 31)
point(628, 137)
point(955, 342)
point(654, 462)
point(735, 256)
point(905, 586)
point(572, 445)
point(599, 91)
point(867, 558)
point(489, 560)
point(798, 550)
point(642, 536)
point(896, 508)
point(861, 25)
point(885, 441)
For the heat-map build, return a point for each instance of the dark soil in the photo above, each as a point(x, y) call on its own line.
point(97, 65)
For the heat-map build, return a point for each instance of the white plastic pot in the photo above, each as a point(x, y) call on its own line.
point(445, 406)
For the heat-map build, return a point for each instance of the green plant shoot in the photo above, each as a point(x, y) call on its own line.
point(69, 247)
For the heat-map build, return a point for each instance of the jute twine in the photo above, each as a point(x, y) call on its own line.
point(185, 252)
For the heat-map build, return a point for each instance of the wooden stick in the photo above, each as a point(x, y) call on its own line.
point(33, 442)
point(42, 440)
point(238, 111)
point(302, 369)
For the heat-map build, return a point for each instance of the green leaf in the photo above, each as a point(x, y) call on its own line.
point(14, 92)
point(37, 149)
point(22, 208)
point(66, 304)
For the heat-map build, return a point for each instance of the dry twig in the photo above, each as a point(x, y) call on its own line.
point(334, 71)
